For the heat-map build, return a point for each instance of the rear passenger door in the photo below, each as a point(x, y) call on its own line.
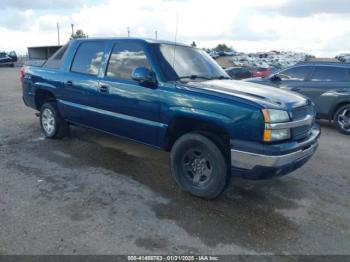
point(126, 107)
point(80, 83)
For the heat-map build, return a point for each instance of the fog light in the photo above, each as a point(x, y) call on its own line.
point(276, 135)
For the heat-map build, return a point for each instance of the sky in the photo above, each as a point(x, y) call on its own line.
point(318, 27)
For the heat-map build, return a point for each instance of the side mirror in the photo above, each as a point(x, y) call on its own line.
point(275, 78)
point(144, 76)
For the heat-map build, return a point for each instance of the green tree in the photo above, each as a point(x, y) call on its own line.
point(78, 34)
point(223, 48)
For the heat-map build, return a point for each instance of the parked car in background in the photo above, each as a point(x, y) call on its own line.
point(186, 104)
point(8, 59)
point(326, 83)
point(238, 73)
point(260, 72)
point(345, 58)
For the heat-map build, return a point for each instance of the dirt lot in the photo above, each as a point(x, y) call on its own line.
point(97, 194)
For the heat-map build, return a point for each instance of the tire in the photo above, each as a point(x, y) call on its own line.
point(341, 119)
point(52, 124)
point(199, 166)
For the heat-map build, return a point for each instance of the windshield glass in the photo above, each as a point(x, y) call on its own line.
point(188, 64)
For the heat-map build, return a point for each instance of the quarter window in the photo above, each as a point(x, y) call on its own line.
point(56, 59)
point(124, 59)
point(330, 74)
point(88, 58)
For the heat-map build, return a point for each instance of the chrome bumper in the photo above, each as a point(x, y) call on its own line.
point(247, 160)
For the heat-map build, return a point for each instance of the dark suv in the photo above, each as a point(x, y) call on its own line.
point(8, 59)
point(326, 83)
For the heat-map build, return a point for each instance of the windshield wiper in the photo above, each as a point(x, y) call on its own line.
point(194, 77)
point(220, 77)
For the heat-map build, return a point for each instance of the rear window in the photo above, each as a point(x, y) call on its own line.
point(88, 58)
point(55, 60)
point(330, 74)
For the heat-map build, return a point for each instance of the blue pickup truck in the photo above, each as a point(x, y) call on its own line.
point(176, 98)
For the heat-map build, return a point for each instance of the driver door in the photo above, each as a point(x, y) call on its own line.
point(127, 108)
point(295, 78)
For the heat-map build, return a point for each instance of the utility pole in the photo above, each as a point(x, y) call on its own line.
point(72, 29)
point(58, 34)
point(156, 33)
point(128, 29)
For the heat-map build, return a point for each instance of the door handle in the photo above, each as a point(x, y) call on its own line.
point(69, 83)
point(104, 89)
point(295, 89)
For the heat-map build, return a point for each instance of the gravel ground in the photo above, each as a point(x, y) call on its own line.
point(96, 194)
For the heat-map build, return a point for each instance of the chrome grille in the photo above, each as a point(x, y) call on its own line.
point(301, 132)
point(301, 112)
point(298, 113)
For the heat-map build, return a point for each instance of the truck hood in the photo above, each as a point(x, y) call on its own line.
point(266, 96)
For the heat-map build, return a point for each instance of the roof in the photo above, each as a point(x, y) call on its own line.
point(147, 40)
point(330, 63)
point(45, 46)
point(322, 59)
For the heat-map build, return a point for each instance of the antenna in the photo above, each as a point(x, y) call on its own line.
point(128, 29)
point(58, 34)
point(177, 22)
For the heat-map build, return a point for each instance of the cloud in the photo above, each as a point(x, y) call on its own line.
point(312, 7)
point(18, 20)
point(40, 4)
point(250, 25)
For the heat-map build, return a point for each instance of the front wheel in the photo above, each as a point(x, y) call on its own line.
point(52, 124)
point(342, 119)
point(198, 166)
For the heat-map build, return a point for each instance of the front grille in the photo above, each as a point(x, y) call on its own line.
point(301, 132)
point(298, 113)
point(301, 112)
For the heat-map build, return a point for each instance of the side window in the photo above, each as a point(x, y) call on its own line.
point(88, 58)
point(296, 73)
point(124, 59)
point(55, 60)
point(330, 74)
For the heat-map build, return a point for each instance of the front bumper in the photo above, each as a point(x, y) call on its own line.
point(266, 161)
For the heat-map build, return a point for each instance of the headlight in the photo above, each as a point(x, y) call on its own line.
point(275, 116)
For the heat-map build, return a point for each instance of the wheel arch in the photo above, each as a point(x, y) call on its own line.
point(336, 107)
point(42, 96)
point(212, 128)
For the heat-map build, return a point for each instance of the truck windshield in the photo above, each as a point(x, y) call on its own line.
point(188, 64)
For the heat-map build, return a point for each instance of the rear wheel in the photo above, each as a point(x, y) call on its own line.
point(199, 166)
point(51, 122)
point(342, 119)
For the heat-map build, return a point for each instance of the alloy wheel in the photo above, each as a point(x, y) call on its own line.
point(48, 121)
